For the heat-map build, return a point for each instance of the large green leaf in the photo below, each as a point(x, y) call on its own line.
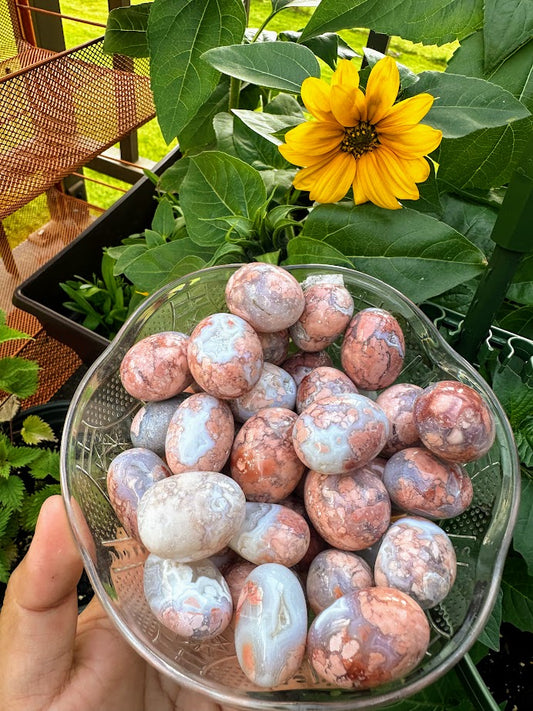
point(430, 22)
point(415, 253)
point(268, 125)
point(517, 594)
point(179, 32)
point(126, 30)
point(218, 190)
point(515, 74)
point(516, 398)
point(484, 159)
point(519, 320)
point(508, 25)
point(276, 65)
point(162, 265)
point(198, 133)
point(466, 104)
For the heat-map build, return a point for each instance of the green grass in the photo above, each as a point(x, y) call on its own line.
point(151, 143)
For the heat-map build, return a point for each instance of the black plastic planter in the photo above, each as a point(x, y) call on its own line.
point(41, 294)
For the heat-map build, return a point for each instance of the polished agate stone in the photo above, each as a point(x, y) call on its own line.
point(323, 381)
point(334, 573)
point(337, 434)
point(191, 599)
point(130, 474)
point(225, 355)
point(190, 516)
point(156, 368)
point(327, 312)
point(368, 638)
point(418, 482)
point(275, 388)
point(235, 576)
point(271, 625)
point(149, 426)
point(271, 533)
point(275, 346)
point(263, 460)
point(350, 512)
point(417, 557)
point(301, 364)
point(454, 421)
point(199, 435)
point(373, 349)
point(397, 402)
point(267, 296)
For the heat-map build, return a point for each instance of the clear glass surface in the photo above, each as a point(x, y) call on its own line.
point(97, 429)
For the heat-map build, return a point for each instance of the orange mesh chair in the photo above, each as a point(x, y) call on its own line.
point(58, 111)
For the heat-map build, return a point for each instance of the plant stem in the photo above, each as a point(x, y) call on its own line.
point(234, 93)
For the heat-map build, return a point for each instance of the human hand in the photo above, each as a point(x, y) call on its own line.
point(51, 659)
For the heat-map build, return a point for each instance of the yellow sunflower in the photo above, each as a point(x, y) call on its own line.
point(362, 141)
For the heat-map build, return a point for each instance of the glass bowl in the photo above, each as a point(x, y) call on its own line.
point(97, 429)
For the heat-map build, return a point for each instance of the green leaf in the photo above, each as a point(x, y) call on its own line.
point(484, 159)
point(35, 430)
point(19, 376)
point(11, 493)
point(519, 320)
point(217, 188)
point(161, 265)
point(199, 133)
point(126, 30)
point(522, 539)
point(472, 219)
point(508, 25)
point(11, 334)
point(517, 589)
point(327, 47)
point(254, 149)
point(417, 254)
point(466, 104)
point(515, 74)
point(164, 221)
point(306, 250)
point(270, 126)
point(516, 397)
point(172, 177)
point(179, 32)
point(46, 465)
point(431, 22)
point(276, 65)
point(9, 408)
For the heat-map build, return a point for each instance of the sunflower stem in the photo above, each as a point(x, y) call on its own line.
point(234, 93)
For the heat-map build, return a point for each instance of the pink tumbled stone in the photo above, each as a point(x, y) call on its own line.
point(373, 349)
point(323, 381)
point(350, 512)
point(397, 402)
point(368, 638)
point(156, 367)
point(454, 421)
point(225, 355)
point(301, 364)
point(265, 295)
point(328, 310)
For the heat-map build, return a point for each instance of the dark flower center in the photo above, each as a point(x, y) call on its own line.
point(359, 139)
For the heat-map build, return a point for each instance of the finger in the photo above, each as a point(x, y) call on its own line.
point(38, 620)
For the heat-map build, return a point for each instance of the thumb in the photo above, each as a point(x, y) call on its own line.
point(39, 616)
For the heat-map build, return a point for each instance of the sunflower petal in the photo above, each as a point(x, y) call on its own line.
point(402, 184)
point(406, 113)
point(359, 195)
point(302, 158)
point(382, 89)
point(315, 137)
point(348, 104)
point(315, 95)
point(419, 168)
point(376, 186)
point(329, 180)
point(414, 142)
point(346, 74)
